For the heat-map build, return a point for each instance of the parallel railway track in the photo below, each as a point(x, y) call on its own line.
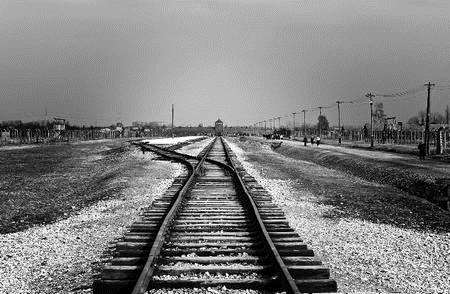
point(216, 226)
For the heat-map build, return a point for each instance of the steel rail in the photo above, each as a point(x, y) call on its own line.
point(138, 142)
point(148, 269)
point(286, 279)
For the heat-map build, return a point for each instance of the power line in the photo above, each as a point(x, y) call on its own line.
point(442, 87)
point(77, 117)
point(407, 94)
point(400, 94)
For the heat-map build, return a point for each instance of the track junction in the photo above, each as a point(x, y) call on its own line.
point(214, 227)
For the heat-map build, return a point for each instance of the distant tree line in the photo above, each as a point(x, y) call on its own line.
point(435, 118)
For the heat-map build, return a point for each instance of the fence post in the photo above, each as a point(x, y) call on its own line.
point(446, 134)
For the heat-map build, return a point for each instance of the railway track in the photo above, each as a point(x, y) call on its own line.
point(215, 227)
point(174, 147)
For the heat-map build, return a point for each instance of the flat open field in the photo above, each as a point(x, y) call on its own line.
point(40, 184)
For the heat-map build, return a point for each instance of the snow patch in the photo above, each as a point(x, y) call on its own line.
point(6, 148)
point(170, 141)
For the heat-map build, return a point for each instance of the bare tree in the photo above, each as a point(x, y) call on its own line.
point(322, 124)
point(419, 119)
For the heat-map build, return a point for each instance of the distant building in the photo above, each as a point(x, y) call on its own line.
point(218, 127)
point(105, 130)
point(59, 124)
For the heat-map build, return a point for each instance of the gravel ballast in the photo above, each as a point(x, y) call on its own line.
point(63, 257)
point(375, 238)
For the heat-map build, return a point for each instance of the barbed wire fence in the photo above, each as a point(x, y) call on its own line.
point(17, 136)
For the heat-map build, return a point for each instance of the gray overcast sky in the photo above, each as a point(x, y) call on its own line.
point(245, 61)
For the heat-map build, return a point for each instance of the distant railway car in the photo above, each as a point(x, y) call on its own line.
point(218, 127)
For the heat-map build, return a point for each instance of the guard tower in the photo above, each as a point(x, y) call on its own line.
point(218, 127)
point(59, 126)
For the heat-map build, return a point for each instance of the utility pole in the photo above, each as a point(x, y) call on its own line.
point(293, 125)
point(172, 119)
point(446, 115)
point(370, 96)
point(304, 122)
point(339, 121)
point(319, 124)
point(427, 119)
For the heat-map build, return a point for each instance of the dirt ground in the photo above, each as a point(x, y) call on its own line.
point(40, 184)
point(374, 237)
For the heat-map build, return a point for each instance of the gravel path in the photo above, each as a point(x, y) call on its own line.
point(406, 159)
point(17, 147)
point(344, 219)
point(63, 257)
